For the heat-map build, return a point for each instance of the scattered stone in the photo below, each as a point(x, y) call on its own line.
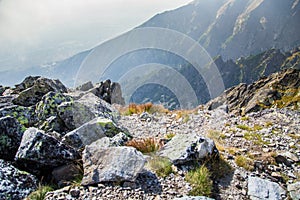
point(294, 190)
point(15, 184)
point(193, 198)
point(185, 148)
point(114, 164)
point(290, 156)
point(282, 159)
point(11, 132)
point(39, 152)
point(90, 132)
point(263, 189)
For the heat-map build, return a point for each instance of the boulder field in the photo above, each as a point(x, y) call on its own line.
point(82, 142)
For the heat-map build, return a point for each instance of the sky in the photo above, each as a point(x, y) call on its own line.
point(36, 32)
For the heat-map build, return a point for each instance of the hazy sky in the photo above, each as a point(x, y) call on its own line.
point(38, 31)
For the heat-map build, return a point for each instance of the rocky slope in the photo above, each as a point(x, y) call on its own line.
point(78, 141)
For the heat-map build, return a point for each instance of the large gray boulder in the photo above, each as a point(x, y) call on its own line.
point(11, 132)
point(15, 184)
point(114, 164)
point(41, 152)
point(32, 93)
point(185, 148)
point(261, 189)
point(91, 131)
point(294, 190)
point(74, 114)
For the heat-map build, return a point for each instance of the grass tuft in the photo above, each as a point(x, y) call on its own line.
point(40, 193)
point(161, 166)
point(244, 162)
point(200, 180)
point(146, 145)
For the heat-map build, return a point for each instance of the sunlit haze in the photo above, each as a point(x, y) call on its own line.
point(34, 32)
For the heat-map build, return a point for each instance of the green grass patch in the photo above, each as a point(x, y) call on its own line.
point(244, 127)
point(244, 162)
point(200, 180)
point(161, 166)
point(40, 193)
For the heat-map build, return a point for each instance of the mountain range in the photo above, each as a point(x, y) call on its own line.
point(246, 39)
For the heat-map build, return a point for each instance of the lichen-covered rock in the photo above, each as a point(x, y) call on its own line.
point(11, 132)
point(47, 107)
point(294, 190)
point(74, 114)
point(36, 90)
point(91, 131)
point(261, 189)
point(25, 115)
point(15, 184)
point(54, 124)
point(41, 152)
point(26, 83)
point(114, 164)
point(185, 148)
point(47, 112)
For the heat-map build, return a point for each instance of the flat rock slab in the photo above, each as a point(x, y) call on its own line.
point(90, 132)
point(114, 164)
point(261, 189)
point(185, 148)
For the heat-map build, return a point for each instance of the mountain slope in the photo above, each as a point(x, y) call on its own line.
point(235, 28)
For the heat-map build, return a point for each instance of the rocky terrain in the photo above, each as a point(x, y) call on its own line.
point(247, 139)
